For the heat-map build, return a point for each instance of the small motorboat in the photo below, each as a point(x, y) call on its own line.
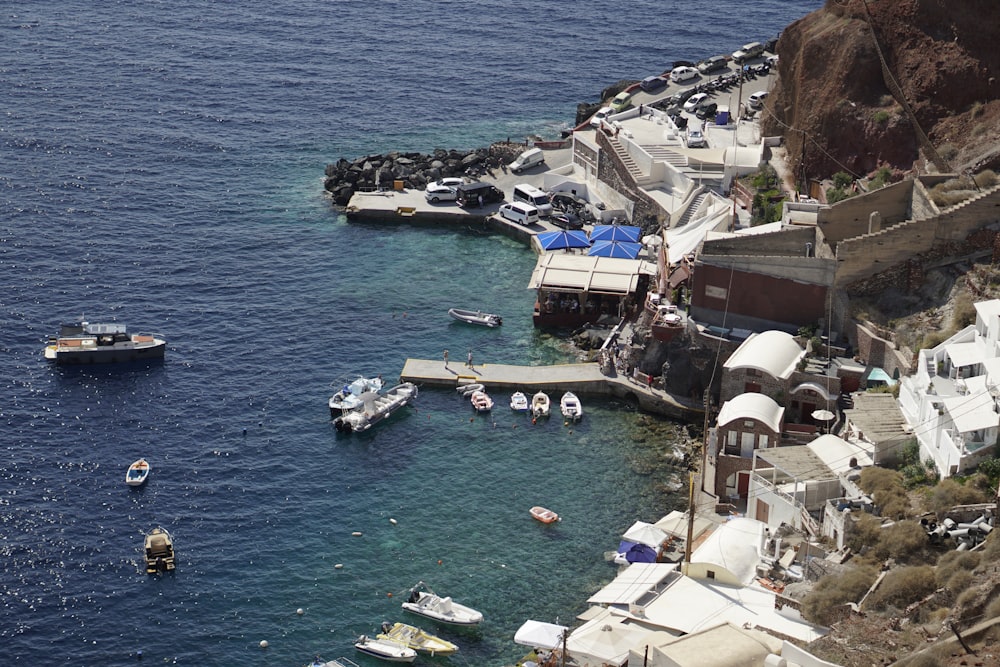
point(476, 317)
point(87, 343)
point(540, 405)
point(349, 396)
point(425, 602)
point(544, 515)
point(137, 473)
point(466, 390)
point(481, 401)
point(385, 649)
point(159, 552)
point(417, 639)
point(570, 406)
point(339, 662)
point(375, 408)
point(519, 402)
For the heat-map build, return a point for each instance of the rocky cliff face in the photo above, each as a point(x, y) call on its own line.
point(838, 112)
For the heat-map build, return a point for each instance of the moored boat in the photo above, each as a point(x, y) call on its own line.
point(417, 639)
point(481, 401)
point(87, 343)
point(385, 649)
point(544, 515)
point(425, 602)
point(339, 662)
point(375, 408)
point(570, 406)
point(159, 551)
point(540, 404)
point(137, 473)
point(349, 395)
point(466, 390)
point(519, 402)
point(476, 317)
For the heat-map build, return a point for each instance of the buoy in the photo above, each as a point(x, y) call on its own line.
point(263, 643)
point(300, 611)
point(356, 533)
point(471, 419)
point(393, 521)
point(338, 566)
point(439, 562)
point(389, 594)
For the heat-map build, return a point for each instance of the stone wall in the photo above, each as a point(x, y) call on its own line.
point(849, 218)
point(875, 348)
point(646, 214)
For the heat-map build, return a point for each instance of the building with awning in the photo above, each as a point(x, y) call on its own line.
point(576, 289)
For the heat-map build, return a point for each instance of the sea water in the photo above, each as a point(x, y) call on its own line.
point(162, 166)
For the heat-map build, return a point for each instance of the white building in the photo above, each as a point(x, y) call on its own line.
point(950, 403)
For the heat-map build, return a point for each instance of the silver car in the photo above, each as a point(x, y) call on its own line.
point(436, 193)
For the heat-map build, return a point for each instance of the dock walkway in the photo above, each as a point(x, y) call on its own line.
point(583, 378)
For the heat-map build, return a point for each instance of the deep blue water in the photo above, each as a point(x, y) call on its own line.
point(162, 166)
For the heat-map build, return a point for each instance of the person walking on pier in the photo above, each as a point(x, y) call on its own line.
point(469, 360)
point(446, 359)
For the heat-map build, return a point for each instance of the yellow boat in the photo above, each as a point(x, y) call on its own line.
point(417, 639)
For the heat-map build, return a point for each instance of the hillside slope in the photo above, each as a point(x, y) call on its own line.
point(836, 111)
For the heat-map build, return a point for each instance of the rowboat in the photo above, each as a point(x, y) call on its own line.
point(481, 401)
point(417, 639)
point(544, 515)
point(476, 317)
point(137, 473)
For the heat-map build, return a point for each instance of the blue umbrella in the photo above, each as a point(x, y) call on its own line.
point(574, 238)
point(615, 233)
point(621, 249)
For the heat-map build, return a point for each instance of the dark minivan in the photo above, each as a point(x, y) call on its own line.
point(469, 195)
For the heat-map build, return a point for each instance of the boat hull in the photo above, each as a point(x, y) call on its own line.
point(376, 409)
point(111, 355)
point(442, 610)
point(138, 473)
point(490, 320)
point(390, 651)
point(544, 515)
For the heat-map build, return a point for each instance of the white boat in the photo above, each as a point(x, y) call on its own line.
point(339, 662)
point(137, 473)
point(425, 602)
point(481, 401)
point(570, 406)
point(476, 317)
point(87, 343)
point(349, 395)
point(417, 639)
point(466, 390)
point(519, 402)
point(375, 407)
point(159, 551)
point(540, 405)
point(385, 649)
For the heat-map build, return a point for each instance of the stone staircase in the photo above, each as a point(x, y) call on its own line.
point(667, 154)
point(691, 209)
point(626, 159)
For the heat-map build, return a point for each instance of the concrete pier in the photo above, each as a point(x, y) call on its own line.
point(583, 379)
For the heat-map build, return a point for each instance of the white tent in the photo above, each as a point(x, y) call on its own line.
point(537, 634)
point(645, 533)
point(603, 641)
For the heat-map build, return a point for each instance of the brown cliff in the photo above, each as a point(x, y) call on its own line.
point(836, 108)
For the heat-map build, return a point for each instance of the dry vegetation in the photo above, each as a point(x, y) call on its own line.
point(957, 190)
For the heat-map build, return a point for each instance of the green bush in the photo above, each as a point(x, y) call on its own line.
point(842, 180)
point(903, 586)
point(881, 178)
point(834, 195)
point(903, 540)
point(880, 117)
point(835, 590)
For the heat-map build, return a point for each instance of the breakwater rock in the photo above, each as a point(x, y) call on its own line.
point(414, 170)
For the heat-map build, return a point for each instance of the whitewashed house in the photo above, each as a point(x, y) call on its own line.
point(950, 403)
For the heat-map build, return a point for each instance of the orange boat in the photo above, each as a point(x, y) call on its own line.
point(544, 515)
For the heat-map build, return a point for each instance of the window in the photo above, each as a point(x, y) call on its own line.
point(710, 574)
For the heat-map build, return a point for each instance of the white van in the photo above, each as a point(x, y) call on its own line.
point(532, 196)
point(526, 160)
point(522, 214)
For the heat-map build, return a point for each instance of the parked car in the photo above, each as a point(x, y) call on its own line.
point(653, 84)
point(695, 101)
point(567, 221)
point(450, 182)
point(567, 200)
point(601, 114)
point(711, 64)
point(756, 100)
point(622, 101)
point(680, 120)
point(706, 110)
point(696, 138)
point(748, 52)
point(436, 193)
point(522, 214)
point(681, 74)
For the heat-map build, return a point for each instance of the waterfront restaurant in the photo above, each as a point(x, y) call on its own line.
point(574, 290)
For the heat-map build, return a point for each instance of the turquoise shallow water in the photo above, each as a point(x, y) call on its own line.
point(163, 167)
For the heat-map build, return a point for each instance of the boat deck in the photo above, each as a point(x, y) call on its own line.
point(584, 378)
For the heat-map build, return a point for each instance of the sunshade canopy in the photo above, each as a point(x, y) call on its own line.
point(573, 238)
point(619, 249)
point(540, 635)
point(645, 533)
point(615, 233)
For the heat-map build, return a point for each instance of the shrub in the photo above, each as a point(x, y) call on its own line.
point(881, 178)
point(991, 549)
point(835, 590)
point(904, 540)
point(880, 117)
point(965, 311)
point(993, 608)
point(954, 563)
point(903, 586)
point(986, 179)
point(834, 195)
point(948, 151)
point(865, 533)
point(991, 469)
point(976, 110)
point(948, 493)
point(886, 100)
point(887, 489)
point(842, 180)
